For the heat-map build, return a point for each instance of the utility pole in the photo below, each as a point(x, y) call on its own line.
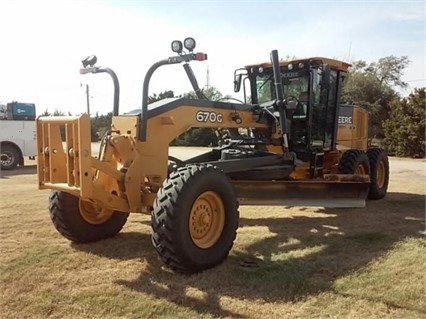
point(87, 99)
point(208, 78)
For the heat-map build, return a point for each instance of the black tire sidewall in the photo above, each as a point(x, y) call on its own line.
point(351, 159)
point(218, 183)
point(66, 217)
point(171, 235)
point(375, 156)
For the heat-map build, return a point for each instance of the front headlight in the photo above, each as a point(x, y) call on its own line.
point(189, 44)
point(177, 46)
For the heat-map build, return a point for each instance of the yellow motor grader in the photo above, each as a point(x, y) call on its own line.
point(293, 144)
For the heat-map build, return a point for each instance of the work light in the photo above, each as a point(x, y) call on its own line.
point(89, 61)
point(189, 44)
point(177, 46)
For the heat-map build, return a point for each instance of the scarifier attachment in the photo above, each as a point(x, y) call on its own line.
point(65, 162)
point(64, 154)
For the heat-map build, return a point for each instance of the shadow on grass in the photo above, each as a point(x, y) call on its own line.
point(20, 170)
point(301, 256)
point(124, 246)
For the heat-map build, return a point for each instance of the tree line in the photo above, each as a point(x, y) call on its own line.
point(398, 123)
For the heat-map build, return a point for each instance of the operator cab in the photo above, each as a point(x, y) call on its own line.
point(311, 89)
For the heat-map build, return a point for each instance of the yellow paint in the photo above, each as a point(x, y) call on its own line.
point(128, 173)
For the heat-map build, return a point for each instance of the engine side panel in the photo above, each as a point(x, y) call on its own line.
point(352, 131)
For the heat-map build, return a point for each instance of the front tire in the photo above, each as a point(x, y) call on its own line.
point(379, 166)
point(81, 221)
point(195, 218)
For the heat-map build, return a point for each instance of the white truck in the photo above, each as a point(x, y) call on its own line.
point(17, 134)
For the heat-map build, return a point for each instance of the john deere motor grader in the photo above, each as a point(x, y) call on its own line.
point(294, 144)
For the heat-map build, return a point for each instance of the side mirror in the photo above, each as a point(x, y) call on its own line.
point(237, 82)
point(238, 76)
point(291, 105)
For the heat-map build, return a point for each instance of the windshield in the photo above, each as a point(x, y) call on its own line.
point(293, 85)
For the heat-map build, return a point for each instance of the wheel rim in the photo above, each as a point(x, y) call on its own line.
point(360, 170)
point(6, 159)
point(381, 173)
point(92, 213)
point(207, 219)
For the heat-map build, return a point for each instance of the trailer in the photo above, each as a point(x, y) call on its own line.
point(17, 134)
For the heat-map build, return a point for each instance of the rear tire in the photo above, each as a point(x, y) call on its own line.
point(83, 227)
point(354, 162)
point(10, 157)
point(195, 218)
point(379, 167)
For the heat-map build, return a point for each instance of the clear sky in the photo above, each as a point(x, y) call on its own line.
point(43, 42)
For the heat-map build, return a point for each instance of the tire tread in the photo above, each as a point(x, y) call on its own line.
point(65, 216)
point(166, 211)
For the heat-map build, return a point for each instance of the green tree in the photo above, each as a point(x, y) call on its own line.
point(373, 85)
point(46, 113)
point(163, 95)
point(201, 136)
point(100, 124)
point(211, 93)
point(195, 136)
point(405, 128)
point(58, 112)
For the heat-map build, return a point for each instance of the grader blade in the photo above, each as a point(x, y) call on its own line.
point(302, 193)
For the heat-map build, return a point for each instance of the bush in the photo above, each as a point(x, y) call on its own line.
point(405, 129)
point(196, 137)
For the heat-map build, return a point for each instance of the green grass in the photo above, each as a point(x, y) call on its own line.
point(286, 263)
point(34, 258)
point(59, 281)
point(397, 279)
